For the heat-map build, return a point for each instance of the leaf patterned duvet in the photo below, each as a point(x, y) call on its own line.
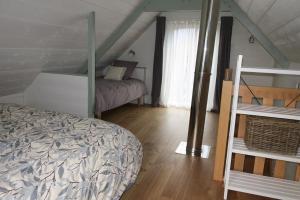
point(49, 155)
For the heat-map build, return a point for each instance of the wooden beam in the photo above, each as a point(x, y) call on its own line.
point(175, 5)
point(125, 25)
point(172, 5)
point(267, 44)
point(118, 32)
point(91, 64)
point(136, 36)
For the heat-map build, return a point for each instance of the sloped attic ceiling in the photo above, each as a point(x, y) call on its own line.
point(279, 20)
point(51, 35)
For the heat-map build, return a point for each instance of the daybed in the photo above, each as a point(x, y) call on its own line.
point(114, 93)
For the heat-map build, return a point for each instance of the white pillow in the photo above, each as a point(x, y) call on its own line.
point(115, 73)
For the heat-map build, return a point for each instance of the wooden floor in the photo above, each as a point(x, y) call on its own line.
point(164, 174)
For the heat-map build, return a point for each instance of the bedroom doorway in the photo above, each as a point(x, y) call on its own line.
point(180, 50)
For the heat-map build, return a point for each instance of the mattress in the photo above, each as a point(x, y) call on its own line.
point(48, 155)
point(112, 93)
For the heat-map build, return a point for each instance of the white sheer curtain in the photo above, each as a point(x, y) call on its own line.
point(213, 77)
point(180, 49)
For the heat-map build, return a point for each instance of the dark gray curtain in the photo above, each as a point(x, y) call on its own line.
point(158, 60)
point(223, 59)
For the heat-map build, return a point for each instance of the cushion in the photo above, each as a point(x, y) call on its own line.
point(130, 66)
point(115, 73)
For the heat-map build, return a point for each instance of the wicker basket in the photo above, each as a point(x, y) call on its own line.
point(272, 135)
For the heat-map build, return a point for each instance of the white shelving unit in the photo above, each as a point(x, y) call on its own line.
point(251, 183)
point(239, 147)
point(268, 111)
point(264, 186)
point(270, 71)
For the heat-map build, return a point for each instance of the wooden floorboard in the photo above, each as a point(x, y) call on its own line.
point(165, 175)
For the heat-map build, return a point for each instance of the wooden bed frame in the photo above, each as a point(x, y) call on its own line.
point(258, 165)
point(140, 102)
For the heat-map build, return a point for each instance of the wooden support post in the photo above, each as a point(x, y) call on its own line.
point(259, 165)
point(91, 64)
point(141, 101)
point(279, 170)
point(297, 178)
point(223, 126)
point(239, 158)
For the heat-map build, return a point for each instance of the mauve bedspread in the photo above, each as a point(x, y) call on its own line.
point(111, 94)
point(48, 155)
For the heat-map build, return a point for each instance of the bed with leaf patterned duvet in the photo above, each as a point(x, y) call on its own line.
point(49, 155)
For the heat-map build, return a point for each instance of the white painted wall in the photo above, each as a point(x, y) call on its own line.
point(14, 98)
point(144, 48)
point(254, 55)
point(59, 92)
point(39, 36)
point(288, 81)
